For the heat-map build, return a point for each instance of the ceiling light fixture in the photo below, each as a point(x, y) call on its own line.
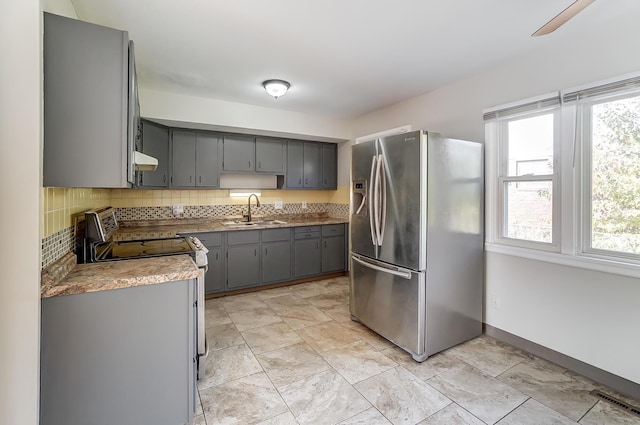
point(276, 88)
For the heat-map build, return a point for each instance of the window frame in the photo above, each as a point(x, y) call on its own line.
point(503, 178)
point(584, 116)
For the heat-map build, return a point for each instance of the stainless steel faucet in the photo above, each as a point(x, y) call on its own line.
point(249, 205)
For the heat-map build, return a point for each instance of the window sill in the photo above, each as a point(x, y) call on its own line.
point(582, 262)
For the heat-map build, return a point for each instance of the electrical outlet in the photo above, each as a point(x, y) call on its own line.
point(495, 302)
point(178, 209)
point(304, 205)
point(277, 205)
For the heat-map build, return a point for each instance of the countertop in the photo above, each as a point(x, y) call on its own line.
point(67, 278)
point(156, 229)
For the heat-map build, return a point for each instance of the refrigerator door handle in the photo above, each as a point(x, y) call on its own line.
point(403, 274)
point(383, 207)
point(372, 201)
point(377, 200)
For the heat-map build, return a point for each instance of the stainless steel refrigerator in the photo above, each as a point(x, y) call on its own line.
point(417, 240)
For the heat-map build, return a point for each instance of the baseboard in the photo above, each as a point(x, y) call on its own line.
point(603, 377)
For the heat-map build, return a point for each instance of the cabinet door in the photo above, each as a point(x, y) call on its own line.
point(207, 171)
point(329, 166)
point(295, 164)
point(333, 254)
point(239, 153)
point(214, 279)
point(243, 266)
point(183, 164)
point(155, 143)
point(312, 158)
point(269, 156)
point(306, 257)
point(276, 261)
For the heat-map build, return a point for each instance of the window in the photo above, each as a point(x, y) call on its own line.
point(611, 173)
point(563, 177)
point(527, 175)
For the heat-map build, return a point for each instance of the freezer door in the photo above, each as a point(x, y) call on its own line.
point(390, 301)
point(362, 232)
point(403, 238)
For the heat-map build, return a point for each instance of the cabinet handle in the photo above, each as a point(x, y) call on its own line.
point(255, 252)
point(316, 245)
point(306, 181)
point(299, 181)
point(216, 256)
point(266, 251)
point(325, 244)
point(164, 178)
point(190, 179)
point(325, 181)
point(259, 165)
point(249, 164)
point(200, 179)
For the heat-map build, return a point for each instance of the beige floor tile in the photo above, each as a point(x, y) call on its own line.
point(215, 315)
point(482, 395)
point(368, 417)
point(376, 341)
point(533, 413)
point(604, 413)
point(324, 398)
point(270, 337)
point(237, 303)
point(325, 336)
point(327, 300)
point(254, 318)
point(452, 415)
point(561, 392)
point(401, 397)
point(301, 317)
point(248, 400)
point(292, 363)
point(275, 292)
point(285, 302)
point(283, 419)
point(487, 354)
point(227, 365)
point(199, 420)
point(223, 336)
point(340, 313)
point(358, 361)
point(431, 367)
point(306, 290)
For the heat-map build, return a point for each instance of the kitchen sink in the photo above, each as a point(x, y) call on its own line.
point(242, 224)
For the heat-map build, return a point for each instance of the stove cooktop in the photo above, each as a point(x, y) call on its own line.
point(127, 250)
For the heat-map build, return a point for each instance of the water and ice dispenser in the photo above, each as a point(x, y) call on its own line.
point(359, 197)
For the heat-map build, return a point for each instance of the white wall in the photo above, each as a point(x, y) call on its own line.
point(588, 315)
point(20, 179)
point(178, 107)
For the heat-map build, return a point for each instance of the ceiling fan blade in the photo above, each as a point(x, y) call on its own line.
point(561, 18)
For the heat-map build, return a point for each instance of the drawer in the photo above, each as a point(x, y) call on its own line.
point(307, 235)
point(271, 235)
point(209, 239)
point(333, 230)
point(307, 229)
point(243, 237)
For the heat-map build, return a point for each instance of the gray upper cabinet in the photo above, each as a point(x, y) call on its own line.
point(87, 142)
point(239, 153)
point(295, 164)
point(269, 156)
point(155, 142)
point(194, 159)
point(183, 163)
point(329, 166)
point(304, 165)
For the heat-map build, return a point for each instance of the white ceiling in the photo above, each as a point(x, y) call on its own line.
point(343, 58)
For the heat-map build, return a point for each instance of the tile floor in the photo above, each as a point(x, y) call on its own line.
point(293, 356)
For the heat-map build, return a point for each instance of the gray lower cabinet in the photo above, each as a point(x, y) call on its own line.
point(215, 277)
point(155, 142)
point(306, 252)
point(334, 248)
point(243, 259)
point(123, 356)
point(276, 255)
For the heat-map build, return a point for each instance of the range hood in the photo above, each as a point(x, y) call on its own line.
point(144, 162)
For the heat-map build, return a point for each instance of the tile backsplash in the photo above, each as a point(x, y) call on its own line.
point(59, 205)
